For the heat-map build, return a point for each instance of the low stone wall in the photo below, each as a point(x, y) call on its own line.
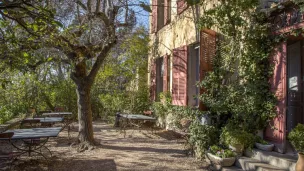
point(10, 124)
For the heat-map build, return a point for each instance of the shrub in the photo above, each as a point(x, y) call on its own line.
point(261, 141)
point(296, 137)
point(202, 137)
point(231, 136)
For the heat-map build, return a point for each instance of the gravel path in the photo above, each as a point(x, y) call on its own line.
point(143, 150)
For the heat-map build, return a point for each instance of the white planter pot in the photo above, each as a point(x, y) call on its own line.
point(268, 147)
point(224, 162)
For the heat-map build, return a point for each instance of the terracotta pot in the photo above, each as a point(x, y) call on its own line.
point(300, 162)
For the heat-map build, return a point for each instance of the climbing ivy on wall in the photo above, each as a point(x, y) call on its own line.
point(239, 85)
point(300, 3)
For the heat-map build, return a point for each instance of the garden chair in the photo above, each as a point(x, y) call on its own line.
point(5, 155)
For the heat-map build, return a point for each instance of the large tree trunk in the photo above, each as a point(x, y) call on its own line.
point(84, 83)
point(83, 89)
point(84, 114)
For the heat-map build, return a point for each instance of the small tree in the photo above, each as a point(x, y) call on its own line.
point(84, 31)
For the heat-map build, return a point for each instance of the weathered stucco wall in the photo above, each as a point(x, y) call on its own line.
point(179, 32)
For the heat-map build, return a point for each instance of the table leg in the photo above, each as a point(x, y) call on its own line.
point(32, 147)
point(123, 126)
point(66, 124)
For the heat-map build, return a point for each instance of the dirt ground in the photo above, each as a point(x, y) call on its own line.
point(139, 150)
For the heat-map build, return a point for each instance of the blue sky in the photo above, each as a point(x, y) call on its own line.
point(142, 15)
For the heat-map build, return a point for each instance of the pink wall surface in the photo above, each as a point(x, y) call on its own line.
point(276, 132)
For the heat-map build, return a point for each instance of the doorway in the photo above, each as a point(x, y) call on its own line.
point(295, 80)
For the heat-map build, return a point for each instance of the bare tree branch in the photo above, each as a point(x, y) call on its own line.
point(97, 6)
point(81, 4)
point(89, 6)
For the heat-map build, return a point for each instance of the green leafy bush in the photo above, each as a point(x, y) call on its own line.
point(233, 137)
point(221, 152)
point(261, 141)
point(202, 137)
point(296, 137)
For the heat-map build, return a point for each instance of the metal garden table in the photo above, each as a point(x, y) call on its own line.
point(67, 118)
point(33, 139)
point(57, 114)
point(134, 120)
point(47, 119)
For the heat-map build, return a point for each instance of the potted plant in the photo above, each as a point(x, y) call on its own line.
point(237, 139)
point(220, 156)
point(263, 145)
point(296, 138)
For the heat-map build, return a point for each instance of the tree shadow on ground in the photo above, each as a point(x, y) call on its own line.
point(83, 165)
point(145, 149)
point(169, 135)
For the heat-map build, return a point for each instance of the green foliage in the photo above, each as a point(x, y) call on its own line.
point(8, 112)
point(192, 2)
point(296, 138)
point(164, 108)
point(202, 137)
point(128, 91)
point(261, 141)
point(300, 3)
point(222, 153)
point(235, 136)
point(141, 101)
point(114, 102)
point(239, 85)
point(159, 109)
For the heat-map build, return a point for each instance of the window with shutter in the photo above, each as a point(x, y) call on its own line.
point(181, 6)
point(207, 54)
point(179, 89)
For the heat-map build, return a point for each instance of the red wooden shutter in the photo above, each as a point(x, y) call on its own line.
point(153, 81)
point(154, 16)
point(165, 75)
point(179, 89)
point(167, 6)
point(207, 54)
point(181, 6)
point(278, 86)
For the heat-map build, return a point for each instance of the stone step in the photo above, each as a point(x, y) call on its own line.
point(232, 168)
point(250, 164)
point(279, 160)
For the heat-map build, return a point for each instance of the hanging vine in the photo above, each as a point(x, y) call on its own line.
point(239, 84)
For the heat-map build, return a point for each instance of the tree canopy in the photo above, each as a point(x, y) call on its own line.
point(77, 34)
